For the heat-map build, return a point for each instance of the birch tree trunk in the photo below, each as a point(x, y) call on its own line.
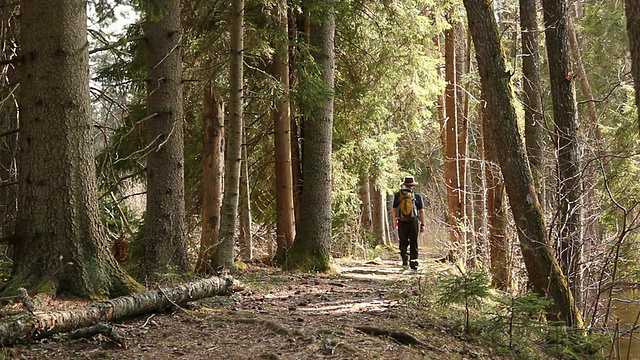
point(229, 220)
point(41, 324)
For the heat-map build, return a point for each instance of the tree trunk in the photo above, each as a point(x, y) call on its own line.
point(224, 255)
point(245, 236)
point(364, 192)
point(453, 151)
point(632, 12)
point(41, 324)
point(565, 115)
point(297, 134)
point(164, 246)
point(9, 119)
point(298, 30)
point(532, 94)
point(544, 272)
point(496, 217)
point(285, 215)
point(393, 232)
point(310, 250)
point(61, 244)
point(213, 163)
point(583, 78)
point(386, 219)
point(378, 216)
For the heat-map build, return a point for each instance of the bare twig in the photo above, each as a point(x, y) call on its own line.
point(107, 330)
point(26, 301)
point(115, 44)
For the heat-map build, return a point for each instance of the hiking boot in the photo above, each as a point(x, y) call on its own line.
point(414, 265)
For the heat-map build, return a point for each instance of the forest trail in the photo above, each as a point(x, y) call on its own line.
point(288, 316)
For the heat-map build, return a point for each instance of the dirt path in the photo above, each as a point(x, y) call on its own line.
point(287, 316)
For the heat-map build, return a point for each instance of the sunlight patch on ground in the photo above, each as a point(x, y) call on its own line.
point(349, 307)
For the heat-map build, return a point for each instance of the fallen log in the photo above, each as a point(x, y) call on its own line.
point(43, 324)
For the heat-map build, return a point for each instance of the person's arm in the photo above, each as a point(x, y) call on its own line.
point(421, 213)
point(394, 210)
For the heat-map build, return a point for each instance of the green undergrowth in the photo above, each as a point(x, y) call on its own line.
point(463, 305)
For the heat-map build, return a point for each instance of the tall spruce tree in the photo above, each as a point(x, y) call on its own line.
point(61, 244)
point(164, 246)
point(310, 250)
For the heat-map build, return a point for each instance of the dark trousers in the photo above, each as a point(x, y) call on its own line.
point(408, 235)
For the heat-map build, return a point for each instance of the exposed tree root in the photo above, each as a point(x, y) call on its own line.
point(400, 336)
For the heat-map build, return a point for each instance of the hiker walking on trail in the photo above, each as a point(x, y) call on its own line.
point(408, 214)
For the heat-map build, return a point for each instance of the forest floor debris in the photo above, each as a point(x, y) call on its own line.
point(284, 315)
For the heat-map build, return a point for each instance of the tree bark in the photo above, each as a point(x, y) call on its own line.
point(245, 236)
point(164, 245)
point(454, 150)
point(583, 79)
point(298, 30)
point(213, 167)
point(543, 269)
point(40, 325)
point(61, 244)
point(378, 215)
point(632, 12)
point(532, 94)
point(9, 118)
point(310, 250)
point(285, 215)
point(565, 115)
point(224, 254)
point(364, 192)
point(496, 216)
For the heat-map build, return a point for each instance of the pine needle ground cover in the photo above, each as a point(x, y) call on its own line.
point(367, 310)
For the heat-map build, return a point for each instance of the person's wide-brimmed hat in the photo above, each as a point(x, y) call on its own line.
point(409, 181)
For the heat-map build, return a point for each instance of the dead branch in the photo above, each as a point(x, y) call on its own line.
point(26, 301)
point(116, 44)
point(109, 331)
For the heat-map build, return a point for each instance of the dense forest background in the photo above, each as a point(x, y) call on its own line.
point(399, 87)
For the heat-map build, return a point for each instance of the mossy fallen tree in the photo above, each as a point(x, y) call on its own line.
point(38, 324)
